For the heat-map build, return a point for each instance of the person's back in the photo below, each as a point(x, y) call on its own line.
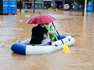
point(37, 34)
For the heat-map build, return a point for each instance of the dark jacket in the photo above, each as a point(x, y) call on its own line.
point(38, 34)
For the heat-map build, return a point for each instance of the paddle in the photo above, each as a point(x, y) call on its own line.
point(65, 47)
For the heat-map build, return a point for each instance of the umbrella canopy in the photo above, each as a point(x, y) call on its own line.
point(41, 19)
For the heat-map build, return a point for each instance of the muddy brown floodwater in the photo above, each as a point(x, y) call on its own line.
point(13, 29)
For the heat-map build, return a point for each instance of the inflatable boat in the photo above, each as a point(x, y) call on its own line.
point(23, 47)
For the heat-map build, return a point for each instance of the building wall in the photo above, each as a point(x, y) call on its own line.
point(39, 1)
point(47, 0)
point(50, 3)
point(28, 0)
point(58, 0)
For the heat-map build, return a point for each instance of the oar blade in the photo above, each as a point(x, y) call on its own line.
point(66, 49)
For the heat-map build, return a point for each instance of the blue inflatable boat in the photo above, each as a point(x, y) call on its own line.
point(22, 47)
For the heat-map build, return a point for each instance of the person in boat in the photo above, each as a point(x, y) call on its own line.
point(52, 36)
point(37, 36)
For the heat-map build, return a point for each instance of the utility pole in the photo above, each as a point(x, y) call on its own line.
point(20, 6)
point(33, 6)
point(85, 9)
point(53, 1)
point(63, 4)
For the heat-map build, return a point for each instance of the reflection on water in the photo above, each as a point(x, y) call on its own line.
point(13, 28)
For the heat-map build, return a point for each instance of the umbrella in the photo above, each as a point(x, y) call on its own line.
point(41, 19)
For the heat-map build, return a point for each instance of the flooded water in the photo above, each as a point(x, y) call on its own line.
point(14, 28)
